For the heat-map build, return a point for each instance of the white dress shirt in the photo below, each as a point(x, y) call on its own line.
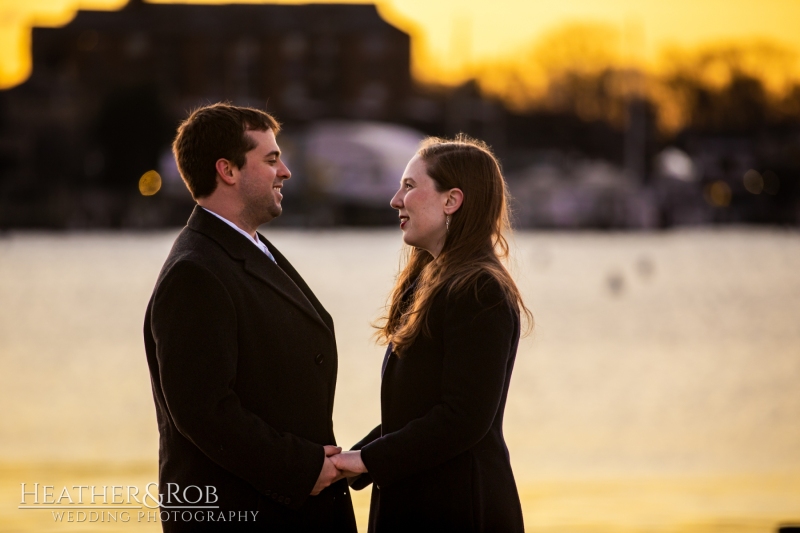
point(255, 240)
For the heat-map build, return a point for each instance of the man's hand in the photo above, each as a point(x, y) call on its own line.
point(329, 473)
point(349, 463)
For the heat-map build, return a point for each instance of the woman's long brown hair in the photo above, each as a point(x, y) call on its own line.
point(474, 245)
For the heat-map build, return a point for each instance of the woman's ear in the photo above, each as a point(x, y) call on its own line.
point(454, 200)
point(225, 171)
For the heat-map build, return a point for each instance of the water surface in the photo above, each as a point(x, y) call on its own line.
point(659, 390)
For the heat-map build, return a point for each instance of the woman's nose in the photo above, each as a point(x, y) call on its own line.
point(397, 201)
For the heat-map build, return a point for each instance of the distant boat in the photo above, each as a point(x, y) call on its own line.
point(358, 162)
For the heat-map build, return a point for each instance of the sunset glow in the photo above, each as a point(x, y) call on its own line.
point(492, 41)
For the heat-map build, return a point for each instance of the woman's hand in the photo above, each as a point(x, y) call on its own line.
point(349, 463)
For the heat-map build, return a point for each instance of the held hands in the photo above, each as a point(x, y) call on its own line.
point(329, 473)
point(338, 465)
point(349, 463)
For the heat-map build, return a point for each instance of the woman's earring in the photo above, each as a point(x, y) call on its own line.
point(447, 224)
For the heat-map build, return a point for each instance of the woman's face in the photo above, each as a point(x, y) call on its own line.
point(421, 208)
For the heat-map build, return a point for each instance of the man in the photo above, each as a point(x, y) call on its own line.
point(242, 355)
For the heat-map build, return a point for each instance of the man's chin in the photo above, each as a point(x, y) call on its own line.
point(272, 213)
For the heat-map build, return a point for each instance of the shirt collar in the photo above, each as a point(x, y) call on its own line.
point(255, 240)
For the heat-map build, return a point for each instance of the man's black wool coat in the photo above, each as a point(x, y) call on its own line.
point(243, 365)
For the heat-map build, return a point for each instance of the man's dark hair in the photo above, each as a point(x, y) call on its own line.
point(214, 132)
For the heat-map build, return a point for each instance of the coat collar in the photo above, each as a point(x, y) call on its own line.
point(282, 278)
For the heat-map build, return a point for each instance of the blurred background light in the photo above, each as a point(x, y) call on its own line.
point(753, 181)
point(149, 183)
point(675, 163)
point(718, 194)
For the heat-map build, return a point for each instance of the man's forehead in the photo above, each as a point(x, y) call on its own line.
point(263, 139)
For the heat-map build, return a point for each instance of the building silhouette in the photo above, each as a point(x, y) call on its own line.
point(108, 89)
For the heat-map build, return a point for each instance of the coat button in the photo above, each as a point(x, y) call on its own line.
point(287, 501)
point(319, 358)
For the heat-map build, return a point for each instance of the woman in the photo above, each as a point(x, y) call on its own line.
point(438, 459)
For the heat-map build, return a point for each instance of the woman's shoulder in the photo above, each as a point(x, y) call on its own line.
point(480, 291)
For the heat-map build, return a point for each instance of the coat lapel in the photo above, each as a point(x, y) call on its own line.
point(264, 269)
point(256, 263)
point(288, 270)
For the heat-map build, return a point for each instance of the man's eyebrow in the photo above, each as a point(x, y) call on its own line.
point(274, 153)
point(406, 178)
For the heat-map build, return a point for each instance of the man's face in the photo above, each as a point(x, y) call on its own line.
point(261, 179)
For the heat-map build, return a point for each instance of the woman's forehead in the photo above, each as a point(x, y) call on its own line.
point(416, 168)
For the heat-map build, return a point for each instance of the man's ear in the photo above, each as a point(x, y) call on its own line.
point(454, 200)
point(225, 171)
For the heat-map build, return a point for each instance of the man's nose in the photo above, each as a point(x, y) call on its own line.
point(285, 172)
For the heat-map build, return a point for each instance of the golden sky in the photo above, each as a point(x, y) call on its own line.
point(453, 40)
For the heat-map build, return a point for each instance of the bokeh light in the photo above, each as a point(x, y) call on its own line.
point(150, 183)
point(718, 194)
point(753, 181)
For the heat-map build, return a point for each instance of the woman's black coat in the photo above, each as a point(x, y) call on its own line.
point(438, 460)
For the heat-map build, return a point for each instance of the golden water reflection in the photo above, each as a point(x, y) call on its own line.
point(741, 504)
point(658, 392)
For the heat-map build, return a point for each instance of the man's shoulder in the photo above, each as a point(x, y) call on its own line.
point(195, 263)
point(192, 247)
